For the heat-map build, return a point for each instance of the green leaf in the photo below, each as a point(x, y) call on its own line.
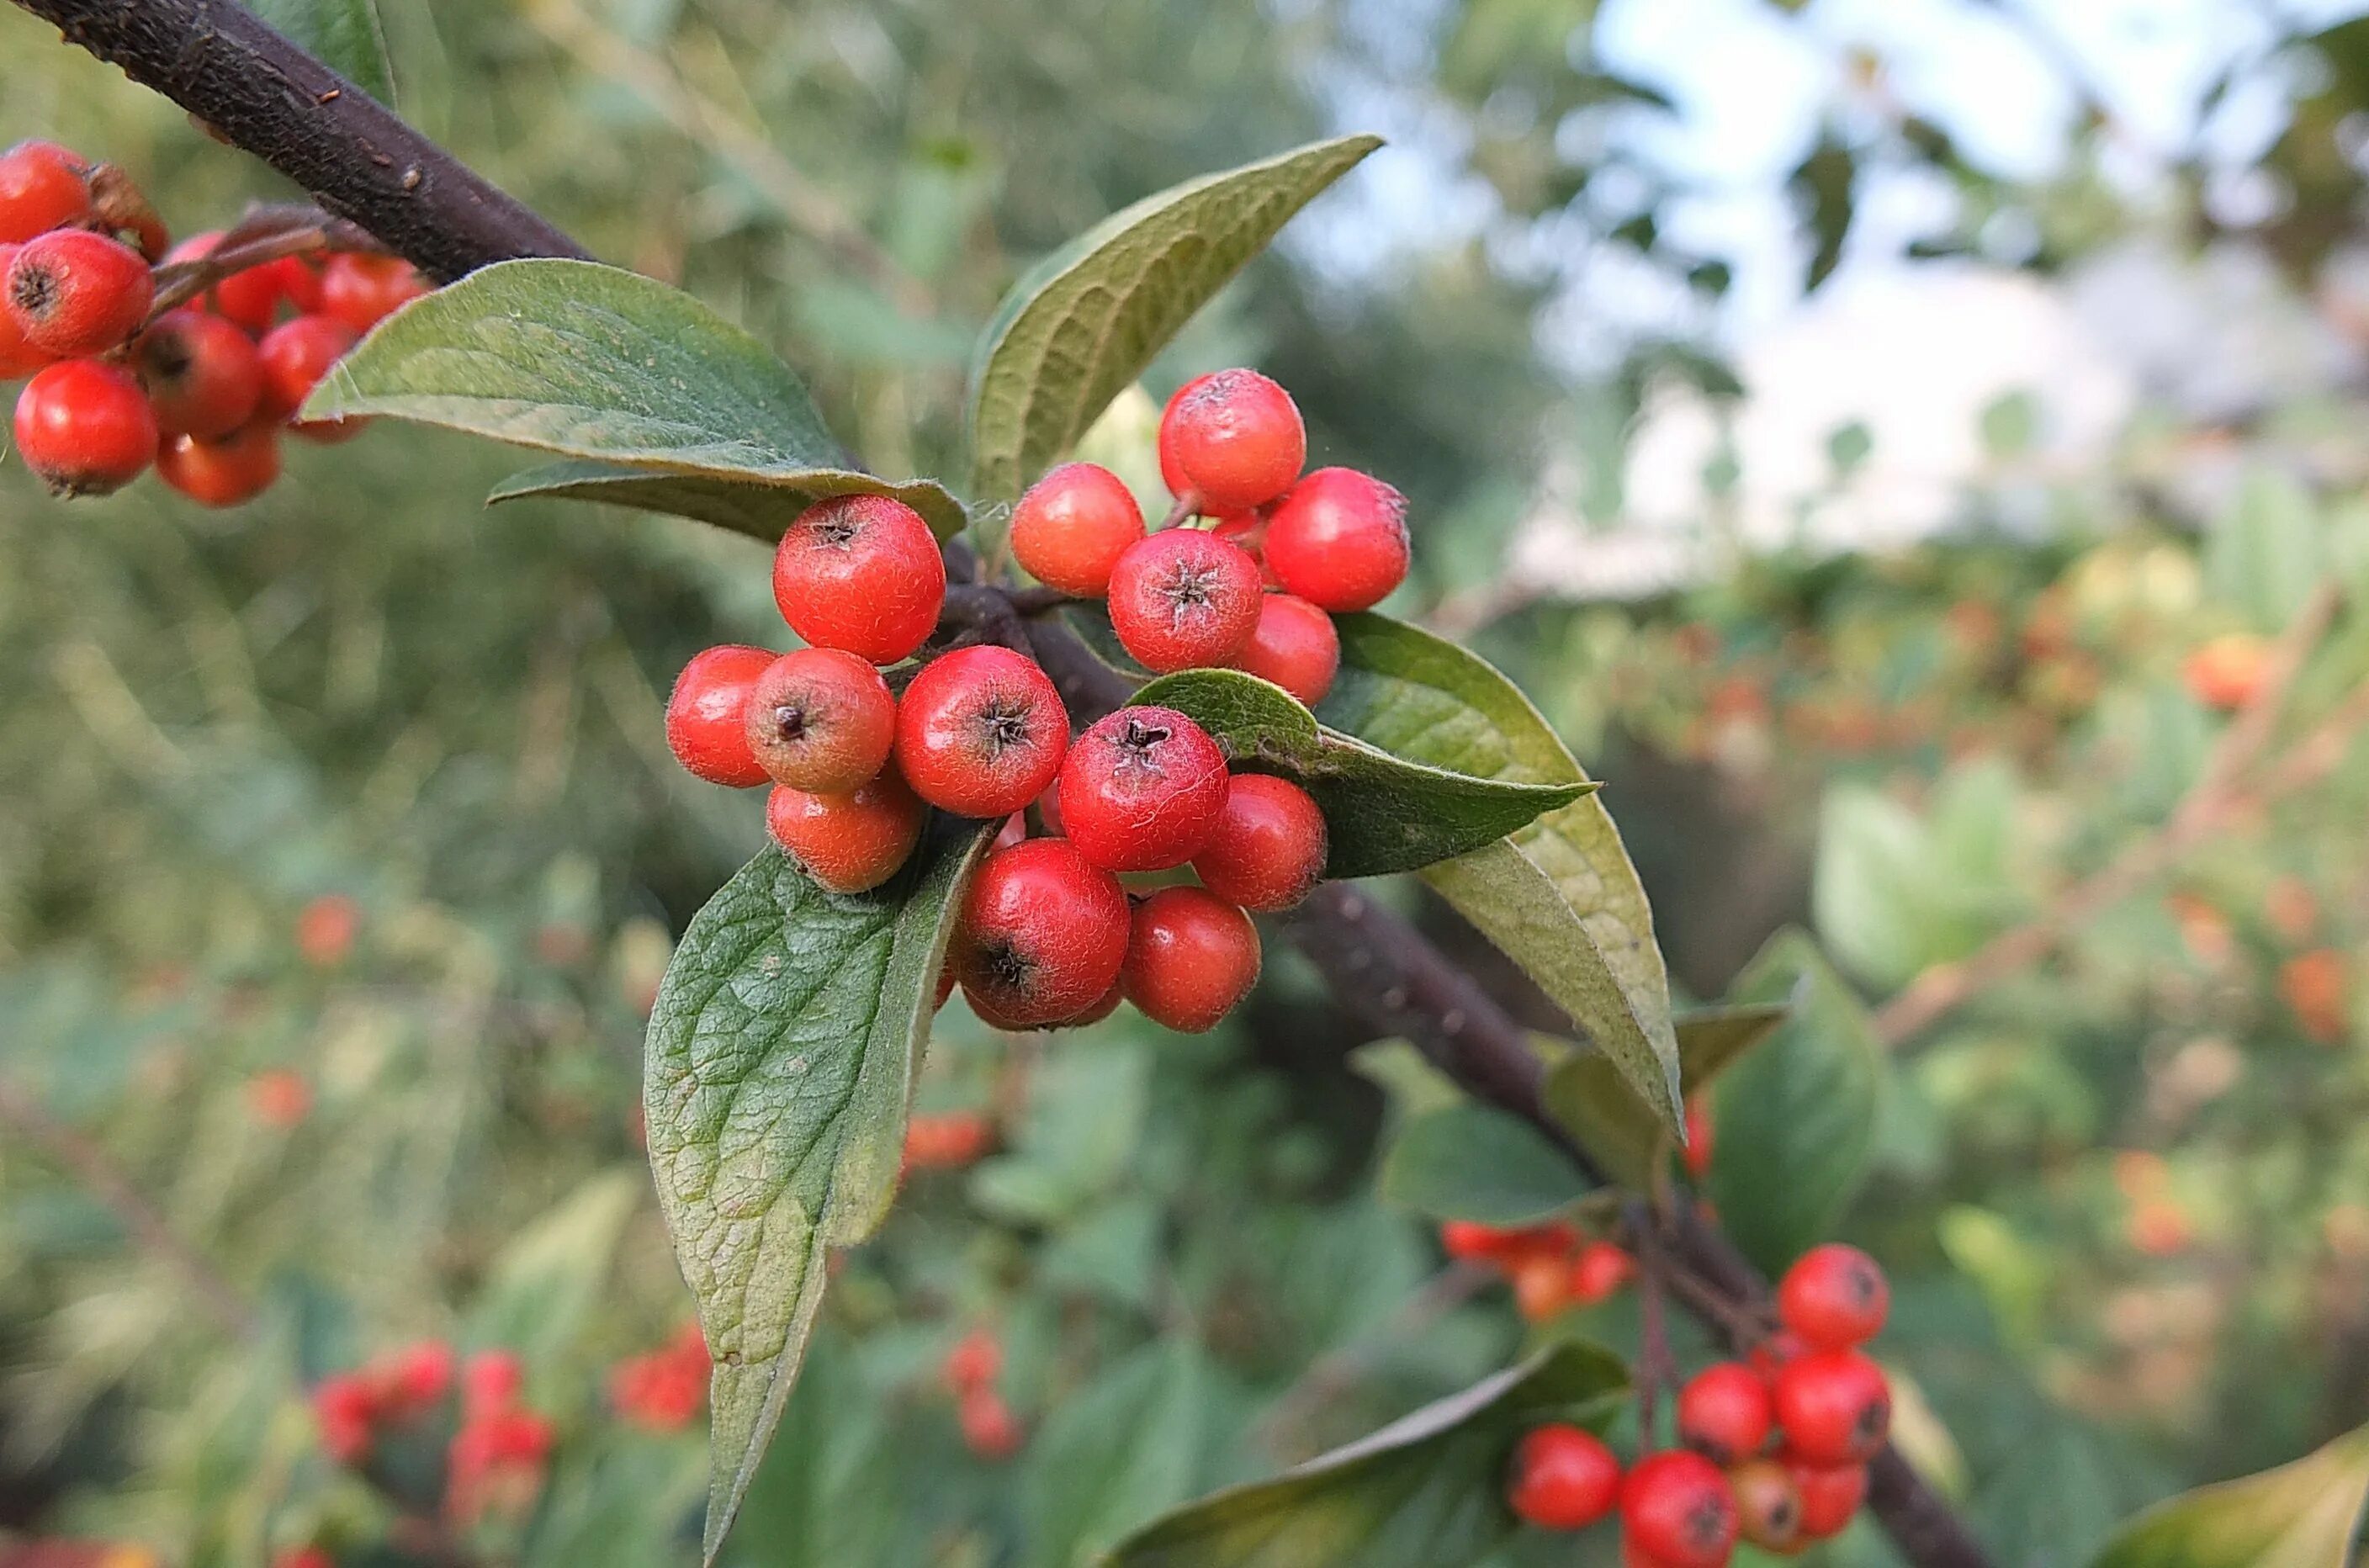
point(2303, 1515)
point(2267, 551)
point(595, 364)
point(549, 1277)
point(759, 511)
point(1115, 1453)
point(1797, 1115)
point(1587, 1095)
point(1560, 897)
point(780, 1060)
point(1383, 813)
point(1473, 1161)
point(1085, 321)
point(1421, 1493)
point(344, 34)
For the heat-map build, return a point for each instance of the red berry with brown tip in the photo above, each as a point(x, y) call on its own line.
point(851, 842)
point(1181, 600)
point(18, 357)
point(42, 187)
point(1675, 1506)
point(1142, 790)
point(1834, 1297)
point(224, 472)
point(980, 732)
point(861, 574)
point(1234, 438)
point(1267, 850)
point(1191, 956)
point(1563, 1478)
point(85, 428)
point(1768, 1506)
point(1830, 1495)
point(296, 355)
point(820, 720)
point(1296, 646)
point(363, 290)
point(1834, 1407)
point(202, 375)
point(73, 292)
point(1072, 527)
point(707, 715)
point(1042, 936)
point(1339, 540)
point(1724, 1412)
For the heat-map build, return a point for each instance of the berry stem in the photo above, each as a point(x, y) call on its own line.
point(1186, 507)
point(1656, 1368)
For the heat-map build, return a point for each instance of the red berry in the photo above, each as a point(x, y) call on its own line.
point(860, 573)
point(1830, 1495)
point(1072, 526)
point(491, 1381)
point(253, 295)
point(1248, 530)
point(202, 375)
point(1834, 1407)
point(421, 1375)
point(17, 358)
point(819, 719)
point(1042, 936)
point(1600, 1271)
point(226, 473)
point(706, 719)
point(988, 1428)
point(1190, 957)
point(1295, 646)
point(1099, 1011)
point(851, 842)
point(1142, 790)
point(73, 291)
point(1474, 1243)
point(1699, 1137)
point(1182, 600)
point(1676, 1505)
point(975, 1360)
point(1541, 1286)
point(1834, 1297)
point(1768, 1506)
point(1771, 1355)
point(42, 187)
point(1267, 850)
point(1724, 1412)
point(1564, 1478)
point(85, 428)
point(1339, 540)
point(980, 732)
point(1235, 438)
point(296, 355)
point(363, 290)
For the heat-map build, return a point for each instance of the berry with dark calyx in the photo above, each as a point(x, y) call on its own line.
point(1830, 1495)
point(1295, 646)
point(1834, 1407)
point(860, 574)
point(821, 720)
point(224, 472)
point(75, 292)
point(1834, 1297)
point(1042, 936)
point(1675, 1506)
point(1142, 790)
point(42, 187)
point(1182, 600)
point(85, 428)
point(1724, 1412)
point(1600, 1271)
point(1768, 1506)
point(363, 290)
point(1563, 1478)
point(296, 355)
point(18, 357)
point(851, 842)
point(1267, 850)
point(1190, 957)
point(1230, 440)
point(1339, 540)
point(1072, 527)
point(708, 716)
point(202, 375)
point(980, 732)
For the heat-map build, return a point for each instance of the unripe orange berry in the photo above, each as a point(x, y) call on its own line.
point(1072, 527)
point(851, 842)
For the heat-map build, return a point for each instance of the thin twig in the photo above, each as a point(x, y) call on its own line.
point(267, 234)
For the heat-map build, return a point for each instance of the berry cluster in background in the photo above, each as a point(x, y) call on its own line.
point(193, 359)
point(1048, 936)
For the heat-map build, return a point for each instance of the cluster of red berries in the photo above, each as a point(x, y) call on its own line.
point(1552, 1267)
point(1775, 1447)
point(663, 1389)
point(499, 1448)
point(1047, 936)
point(971, 1369)
point(201, 390)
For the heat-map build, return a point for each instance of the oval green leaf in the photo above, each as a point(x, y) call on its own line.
point(1421, 1493)
point(1560, 897)
point(780, 1060)
point(1083, 323)
point(599, 365)
point(2303, 1515)
point(759, 510)
point(1474, 1161)
point(1596, 1106)
point(344, 35)
point(1384, 813)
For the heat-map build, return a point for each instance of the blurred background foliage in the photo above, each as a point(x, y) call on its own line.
point(1848, 419)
